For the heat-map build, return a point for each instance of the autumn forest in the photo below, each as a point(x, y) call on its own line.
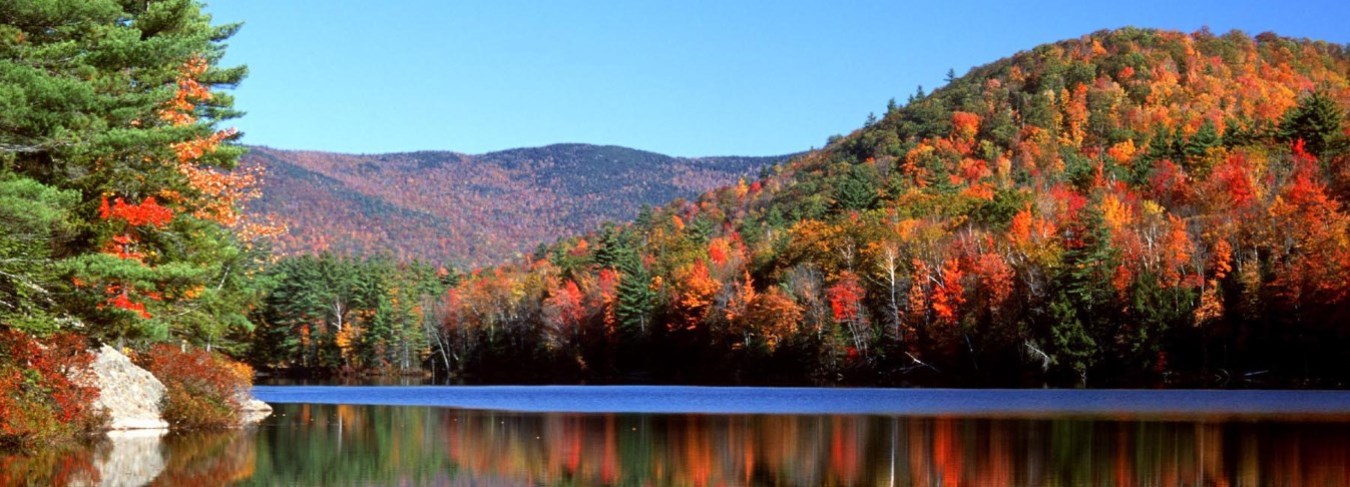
point(1130, 208)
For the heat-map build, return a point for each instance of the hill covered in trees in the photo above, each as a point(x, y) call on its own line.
point(460, 209)
point(1130, 207)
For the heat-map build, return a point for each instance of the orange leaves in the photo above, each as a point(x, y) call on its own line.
point(1234, 180)
point(564, 308)
point(948, 295)
point(1074, 106)
point(718, 250)
point(607, 288)
point(179, 110)
point(776, 315)
point(1177, 249)
point(147, 213)
point(845, 298)
point(965, 126)
point(695, 287)
point(995, 277)
point(741, 296)
point(121, 300)
point(1122, 153)
point(191, 150)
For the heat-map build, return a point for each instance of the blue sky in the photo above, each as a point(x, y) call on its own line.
point(687, 78)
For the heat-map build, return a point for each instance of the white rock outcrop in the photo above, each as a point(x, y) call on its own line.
point(253, 410)
point(131, 395)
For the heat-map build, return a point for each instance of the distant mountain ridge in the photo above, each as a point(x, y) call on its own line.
point(461, 209)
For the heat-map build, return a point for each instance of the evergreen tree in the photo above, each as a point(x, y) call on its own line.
point(112, 101)
point(637, 300)
point(1316, 120)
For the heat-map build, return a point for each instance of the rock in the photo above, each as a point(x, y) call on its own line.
point(130, 395)
point(253, 410)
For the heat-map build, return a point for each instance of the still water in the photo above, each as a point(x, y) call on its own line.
point(733, 436)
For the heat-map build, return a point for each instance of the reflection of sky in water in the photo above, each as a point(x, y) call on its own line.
point(309, 444)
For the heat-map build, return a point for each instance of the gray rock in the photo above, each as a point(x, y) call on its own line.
point(130, 395)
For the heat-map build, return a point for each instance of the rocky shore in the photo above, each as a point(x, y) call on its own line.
point(132, 396)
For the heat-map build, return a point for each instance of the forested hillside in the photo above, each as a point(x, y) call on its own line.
point(1131, 207)
point(459, 209)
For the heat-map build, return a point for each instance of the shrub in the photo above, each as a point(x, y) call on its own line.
point(40, 404)
point(203, 389)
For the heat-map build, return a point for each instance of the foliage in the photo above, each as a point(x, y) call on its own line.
point(108, 130)
point(42, 401)
point(202, 388)
point(470, 210)
point(1110, 210)
point(336, 313)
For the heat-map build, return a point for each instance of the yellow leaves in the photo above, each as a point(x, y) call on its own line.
point(1211, 304)
point(1122, 152)
point(1075, 110)
point(741, 189)
point(1177, 250)
point(346, 342)
point(1117, 214)
point(1097, 48)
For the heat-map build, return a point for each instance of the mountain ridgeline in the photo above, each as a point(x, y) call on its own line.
point(458, 209)
point(1133, 207)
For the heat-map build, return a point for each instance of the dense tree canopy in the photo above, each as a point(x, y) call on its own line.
point(114, 171)
point(1130, 207)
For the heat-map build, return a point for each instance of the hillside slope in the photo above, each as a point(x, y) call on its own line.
point(1129, 207)
point(452, 208)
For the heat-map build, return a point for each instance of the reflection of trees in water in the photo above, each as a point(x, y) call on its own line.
point(327, 445)
point(50, 467)
point(208, 458)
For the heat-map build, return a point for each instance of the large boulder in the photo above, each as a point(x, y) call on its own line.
point(130, 395)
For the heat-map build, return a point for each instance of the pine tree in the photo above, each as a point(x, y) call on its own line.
point(1316, 120)
point(636, 299)
point(113, 101)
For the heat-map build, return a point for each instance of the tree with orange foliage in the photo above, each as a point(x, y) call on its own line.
point(846, 306)
point(128, 125)
point(695, 289)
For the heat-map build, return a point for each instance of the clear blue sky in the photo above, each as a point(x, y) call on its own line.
point(686, 78)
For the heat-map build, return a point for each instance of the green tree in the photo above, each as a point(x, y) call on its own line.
point(113, 101)
point(35, 219)
point(1317, 121)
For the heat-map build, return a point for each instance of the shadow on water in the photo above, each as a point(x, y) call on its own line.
point(305, 444)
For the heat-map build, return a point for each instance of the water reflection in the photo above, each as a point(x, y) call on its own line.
point(342, 445)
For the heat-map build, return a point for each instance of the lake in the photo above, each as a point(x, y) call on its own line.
point(737, 436)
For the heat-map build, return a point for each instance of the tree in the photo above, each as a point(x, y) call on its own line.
point(636, 300)
point(1317, 120)
point(846, 307)
point(36, 220)
point(117, 101)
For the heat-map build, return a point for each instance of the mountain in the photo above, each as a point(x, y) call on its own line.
point(1132, 207)
point(447, 207)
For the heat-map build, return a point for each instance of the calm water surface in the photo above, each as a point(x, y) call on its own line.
point(737, 436)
